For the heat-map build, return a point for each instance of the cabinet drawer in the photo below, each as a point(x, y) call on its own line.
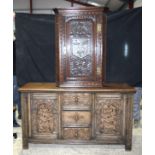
point(44, 96)
point(79, 101)
point(76, 118)
point(77, 133)
point(108, 95)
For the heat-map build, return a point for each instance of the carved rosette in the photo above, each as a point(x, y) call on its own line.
point(108, 116)
point(44, 116)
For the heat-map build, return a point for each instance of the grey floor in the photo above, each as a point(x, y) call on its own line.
point(53, 149)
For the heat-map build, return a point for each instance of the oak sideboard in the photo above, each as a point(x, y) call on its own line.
point(57, 115)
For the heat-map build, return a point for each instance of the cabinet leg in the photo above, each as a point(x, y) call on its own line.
point(128, 147)
point(128, 138)
point(25, 144)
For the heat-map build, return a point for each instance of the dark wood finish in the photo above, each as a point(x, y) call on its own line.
point(31, 6)
point(25, 124)
point(76, 115)
point(129, 121)
point(80, 54)
point(131, 4)
point(93, 113)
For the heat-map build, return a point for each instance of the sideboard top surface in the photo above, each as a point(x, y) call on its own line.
point(41, 87)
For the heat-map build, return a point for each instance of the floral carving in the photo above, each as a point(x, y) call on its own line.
point(80, 27)
point(44, 116)
point(81, 66)
point(81, 35)
point(108, 116)
point(45, 122)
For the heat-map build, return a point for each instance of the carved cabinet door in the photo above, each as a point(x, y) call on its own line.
point(109, 119)
point(80, 47)
point(43, 116)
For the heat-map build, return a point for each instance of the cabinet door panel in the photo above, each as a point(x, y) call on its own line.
point(44, 115)
point(80, 47)
point(109, 116)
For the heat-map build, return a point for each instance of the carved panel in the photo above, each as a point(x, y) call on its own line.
point(80, 27)
point(80, 66)
point(109, 116)
point(81, 49)
point(76, 133)
point(44, 117)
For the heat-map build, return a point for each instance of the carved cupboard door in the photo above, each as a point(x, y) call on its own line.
point(44, 116)
point(109, 119)
point(80, 47)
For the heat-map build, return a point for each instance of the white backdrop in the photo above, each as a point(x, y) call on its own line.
point(40, 6)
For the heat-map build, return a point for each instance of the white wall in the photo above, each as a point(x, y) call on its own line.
point(138, 3)
point(20, 4)
point(40, 6)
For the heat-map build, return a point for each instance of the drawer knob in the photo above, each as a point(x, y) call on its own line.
point(76, 99)
point(76, 118)
point(76, 134)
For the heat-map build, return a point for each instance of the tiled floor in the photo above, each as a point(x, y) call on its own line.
point(53, 149)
